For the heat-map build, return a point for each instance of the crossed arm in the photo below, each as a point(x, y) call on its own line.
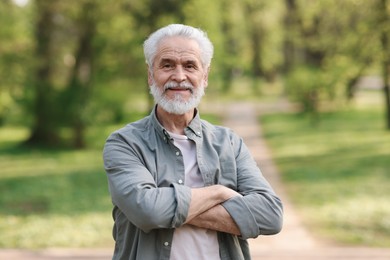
point(135, 192)
point(206, 211)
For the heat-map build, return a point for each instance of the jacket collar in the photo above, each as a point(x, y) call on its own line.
point(194, 127)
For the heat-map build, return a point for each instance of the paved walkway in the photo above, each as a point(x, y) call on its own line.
point(293, 243)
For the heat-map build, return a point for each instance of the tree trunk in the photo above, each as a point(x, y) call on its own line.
point(351, 84)
point(257, 69)
point(80, 82)
point(229, 45)
point(386, 56)
point(256, 38)
point(44, 131)
point(290, 26)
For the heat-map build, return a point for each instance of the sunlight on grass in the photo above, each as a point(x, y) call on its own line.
point(10, 135)
point(362, 214)
point(53, 197)
point(37, 231)
point(49, 162)
point(337, 173)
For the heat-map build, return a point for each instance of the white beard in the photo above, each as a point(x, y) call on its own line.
point(177, 105)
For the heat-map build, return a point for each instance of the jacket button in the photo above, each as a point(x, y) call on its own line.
point(180, 181)
point(166, 244)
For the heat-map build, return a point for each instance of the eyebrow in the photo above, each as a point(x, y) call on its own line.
point(169, 60)
point(166, 60)
point(191, 61)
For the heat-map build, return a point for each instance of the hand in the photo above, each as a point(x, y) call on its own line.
point(203, 199)
point(218, 219)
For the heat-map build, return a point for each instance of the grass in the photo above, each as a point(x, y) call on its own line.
point(337, 173)
point(54, 197)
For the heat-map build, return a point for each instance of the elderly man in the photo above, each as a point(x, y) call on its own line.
point(183, 188)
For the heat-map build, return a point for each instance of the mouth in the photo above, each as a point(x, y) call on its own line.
point(179, 89)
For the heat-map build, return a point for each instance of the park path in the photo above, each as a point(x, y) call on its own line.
point(295, 242)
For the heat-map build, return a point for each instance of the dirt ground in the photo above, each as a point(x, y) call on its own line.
point(293, 243)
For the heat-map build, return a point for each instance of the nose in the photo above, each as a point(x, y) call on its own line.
point(179, 74)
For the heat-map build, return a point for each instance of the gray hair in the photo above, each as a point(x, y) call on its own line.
point(151, 44)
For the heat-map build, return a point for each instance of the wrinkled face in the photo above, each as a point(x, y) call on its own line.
point(177, 78)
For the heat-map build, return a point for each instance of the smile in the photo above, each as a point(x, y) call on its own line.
point(179, 89)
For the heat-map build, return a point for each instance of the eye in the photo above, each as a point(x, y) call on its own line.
point(190, 66)
point(167, 65)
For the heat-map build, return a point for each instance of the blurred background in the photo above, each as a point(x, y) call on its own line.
point(73, 71)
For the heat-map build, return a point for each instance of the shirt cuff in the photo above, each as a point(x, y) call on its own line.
point(183, 199)
point(242, 216)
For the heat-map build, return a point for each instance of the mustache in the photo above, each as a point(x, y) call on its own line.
point(173, 85)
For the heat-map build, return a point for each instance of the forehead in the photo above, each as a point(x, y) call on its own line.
point(178, 48)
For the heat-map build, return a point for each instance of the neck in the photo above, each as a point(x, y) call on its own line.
point(174, 123)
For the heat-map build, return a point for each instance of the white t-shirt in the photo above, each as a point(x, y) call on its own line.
point(190, 242)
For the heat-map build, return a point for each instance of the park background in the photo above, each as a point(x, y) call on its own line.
point(73, 71)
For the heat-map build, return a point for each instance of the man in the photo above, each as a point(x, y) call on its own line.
point(183, 188)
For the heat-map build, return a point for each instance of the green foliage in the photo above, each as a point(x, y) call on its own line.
point(303, 85)
point(337, 47)
point(337, 174)
point(15, 58)
point(337, 41)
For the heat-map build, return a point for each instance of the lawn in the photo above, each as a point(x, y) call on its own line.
point(52, 198)
point(337, 173)
point(55, 197)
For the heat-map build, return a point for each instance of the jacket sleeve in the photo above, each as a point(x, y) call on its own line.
point(135, 192)
point(259, 211)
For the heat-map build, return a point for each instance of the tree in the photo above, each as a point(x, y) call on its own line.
point(384, 22)
point(63, 70)
point(256, 35)
point(290, 24)
point(229, 45)
point(45, 126)
point(78, 91)
point(15, 53)
point(339, 46)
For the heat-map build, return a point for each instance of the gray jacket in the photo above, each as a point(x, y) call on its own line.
point(146, 175)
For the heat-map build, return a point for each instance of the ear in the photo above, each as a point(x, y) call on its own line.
point(150, 76)
point(206, 77)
